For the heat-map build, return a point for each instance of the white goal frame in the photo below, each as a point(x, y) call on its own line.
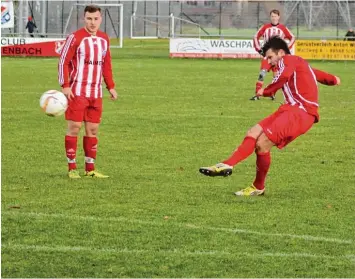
point(172, 20)
point(120, 6)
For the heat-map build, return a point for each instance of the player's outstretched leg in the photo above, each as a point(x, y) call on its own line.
point(219, 169)
point(225, 168)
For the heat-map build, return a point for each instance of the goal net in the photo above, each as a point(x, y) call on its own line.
point(112, 21)
point(154, 27)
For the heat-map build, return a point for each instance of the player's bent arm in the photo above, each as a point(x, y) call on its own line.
point(272, 88)
point(66, 56)
point(256, 42)
point(326, 78)
point(290, 37)
point(286, 70)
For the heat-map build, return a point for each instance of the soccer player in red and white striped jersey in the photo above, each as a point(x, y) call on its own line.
point(84, 60)
point(267, 31)
point(294, 118)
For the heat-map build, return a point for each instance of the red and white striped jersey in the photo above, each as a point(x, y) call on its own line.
point(298, 82)
point(84, 60)
point(269, 30)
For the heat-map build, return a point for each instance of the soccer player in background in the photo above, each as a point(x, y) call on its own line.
point(267, 31)
point(84, 60)
point(294, 118)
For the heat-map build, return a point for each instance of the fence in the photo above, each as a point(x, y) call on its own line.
point(239, 19)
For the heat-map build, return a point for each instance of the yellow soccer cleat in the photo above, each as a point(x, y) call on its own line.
point(219, 169)
point(95, 174)
point(250, 191)
point(73, 174)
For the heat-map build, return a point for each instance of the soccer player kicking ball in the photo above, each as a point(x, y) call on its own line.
point(294, 118)
point(267, 31)
point(84, 60)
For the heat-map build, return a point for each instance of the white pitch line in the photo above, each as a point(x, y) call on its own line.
point(59, 248)
point(188, 226)
point(304, 237)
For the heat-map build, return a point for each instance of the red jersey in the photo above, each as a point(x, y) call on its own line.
point(84, 59)
point(298, 82)
point(269, 30)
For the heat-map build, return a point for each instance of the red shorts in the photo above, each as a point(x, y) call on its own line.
point(286, 124)
point(84, 109)
point(265, 65)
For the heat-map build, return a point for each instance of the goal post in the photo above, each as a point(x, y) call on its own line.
point(112, 21)
point(154, 27)
point(186, 28)
point(150, 26)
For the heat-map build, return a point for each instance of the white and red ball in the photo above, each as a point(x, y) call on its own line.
point(53, 103)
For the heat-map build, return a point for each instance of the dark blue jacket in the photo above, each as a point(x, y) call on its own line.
point(31, 26)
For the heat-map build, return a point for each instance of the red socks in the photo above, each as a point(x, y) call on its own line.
point(90, 149)
point(258, 85)
point(263, 161)
point(70, 149)
point(90, 146)
point(242, 152)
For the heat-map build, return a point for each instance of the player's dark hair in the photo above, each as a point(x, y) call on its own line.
point(274, 11)
point(275, 43)
point(92, 9)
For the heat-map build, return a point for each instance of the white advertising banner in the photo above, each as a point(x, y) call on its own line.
point(7, 14)
point(213, 48)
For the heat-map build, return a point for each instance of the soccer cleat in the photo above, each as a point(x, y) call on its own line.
point(95, 174)
point(250, 191)
point(219, 169)
point(254, 98)
point(73, 174)
point(272, 98)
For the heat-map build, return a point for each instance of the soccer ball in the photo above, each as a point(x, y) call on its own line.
point(53, 103)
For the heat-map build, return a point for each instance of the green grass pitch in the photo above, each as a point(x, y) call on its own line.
point(157, 216)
